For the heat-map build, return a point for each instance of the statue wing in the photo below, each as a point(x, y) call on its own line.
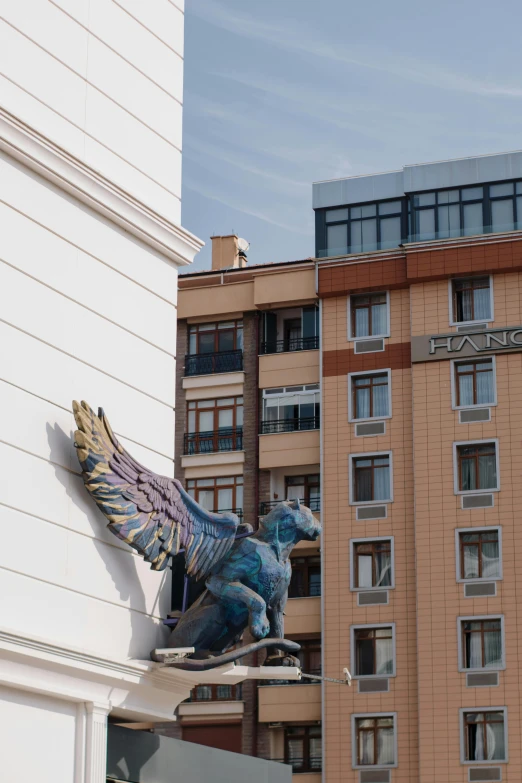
point(152, 513)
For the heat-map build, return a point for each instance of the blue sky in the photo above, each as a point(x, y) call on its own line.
point(281, 93)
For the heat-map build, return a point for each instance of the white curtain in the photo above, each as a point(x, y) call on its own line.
point(366, 747)
point(384, 656)
point(466, 389)
point(381, 483)
point(496, 746)
point(484, 388)
point(471, 564)
point(385, 746)
point(362, 403)
point(474, 645)
point(487, 472)
point(383, 561)
point(490, 560)
point(362, 324)
point(493, 649)
point(380, 401)
point(365, 575)
point(379, 319)
point(482, 304)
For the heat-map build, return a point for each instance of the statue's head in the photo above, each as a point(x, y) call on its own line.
point(290, 521)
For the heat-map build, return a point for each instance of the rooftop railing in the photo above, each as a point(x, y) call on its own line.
point(224, 439)
point(208, 363)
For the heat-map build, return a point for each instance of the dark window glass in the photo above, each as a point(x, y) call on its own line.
point(484, 736)
point(472, 299)
point(306, 577)
point(303, 748)
point(482, 644)
point(373, 651)
point(480, 555)
point(375, 741)
point(474, 383)
point(371, 477)
point(372, 564)
point(477, 467)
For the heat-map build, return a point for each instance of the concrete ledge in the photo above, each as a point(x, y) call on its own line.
point(194, 385)
point(214, 708)
point(218, 460)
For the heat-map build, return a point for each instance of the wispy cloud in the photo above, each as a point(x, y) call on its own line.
point(306, 42)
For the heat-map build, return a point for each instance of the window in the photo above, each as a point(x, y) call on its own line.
point(481, 643)
point(291, 408)
point(484, 734)
point(310, 657)
point(216, 693)
point(479, 554)
point(371, 478)
point(362, 228)
point(471, 300)
point(306, 577)
point(216, 337)
point(218, 494)
point(290, 330)
point(506, 206)
point(374, 740)
point(369, 316)
point(303, 748)
point(306, 488)
point(214, 425)
point(474, 383)
point(370, 395)
point(477, 468)
point(448, 213)
point(372, 564)
point(373, 651)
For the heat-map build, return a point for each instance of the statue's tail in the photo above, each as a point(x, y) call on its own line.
point(203, 665)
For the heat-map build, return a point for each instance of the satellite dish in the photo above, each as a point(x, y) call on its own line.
point(243, 245)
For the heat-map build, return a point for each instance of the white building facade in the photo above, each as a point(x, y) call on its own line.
point(90, 246)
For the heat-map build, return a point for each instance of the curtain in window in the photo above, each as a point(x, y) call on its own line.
point(474, 651)
point(490, 560)
point(466, 306)
point(492, 649)
point(379, 321)
point(385, 749)
point(471, 564)
point(476, 742)
point(364, 485)
point(380, 401)
point(482, 304)
point(315, 753)
point(487, 472)
point(295, 751)
point(484, 388)
point(383, 567)
point(466, 390)
point(384, 656)
point(362, 403)
point(365, 575)
point(381, 483)
point(495, 737)
point(362, 322)
point(366, 747)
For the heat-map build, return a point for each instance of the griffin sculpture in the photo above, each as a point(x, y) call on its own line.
point(246, 577)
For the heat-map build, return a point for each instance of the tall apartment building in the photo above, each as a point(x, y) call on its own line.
point(247, 437)
point(419, 279)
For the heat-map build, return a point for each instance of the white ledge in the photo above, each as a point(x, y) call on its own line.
point(46, 158)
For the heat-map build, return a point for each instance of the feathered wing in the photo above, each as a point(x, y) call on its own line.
point(152, 513)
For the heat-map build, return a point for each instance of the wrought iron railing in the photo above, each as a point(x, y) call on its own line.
point(224, 439)
point(290, 344)
point(314, 504)
point(303, 764)
point(202, 693)
point(289, 425)
point(207, 363)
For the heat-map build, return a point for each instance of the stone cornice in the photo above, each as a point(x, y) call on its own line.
point(43, 156)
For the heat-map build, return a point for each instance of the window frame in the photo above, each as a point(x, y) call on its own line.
point(353, 569)
point(458, 555)
point(216, 408)
point(351, 405)
point(305, 568)
point(460, 640)
point(456, 466)
point(237, 326)
point(351, 476)
point(233, 484)
point(361, 715)
point(371, 627)
point(454, 390)
point(236, 693)
point(486, 762)
point(322, 225)
point(351, 337)
point(305, 728)
point(451, 298)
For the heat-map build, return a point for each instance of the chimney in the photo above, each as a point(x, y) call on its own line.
point(228, 252)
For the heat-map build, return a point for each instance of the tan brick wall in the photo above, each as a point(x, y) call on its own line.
point(339, 526)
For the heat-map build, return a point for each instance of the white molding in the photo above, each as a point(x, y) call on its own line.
point(487, 321)
point(484, 491)
point(96, 742)
point(460, 649)
point(351, 337)
point(351, 477)
point(453, 379)
point(370, 627)
point(370, 539)
point(55, 164)
point(351, 375)
point(460, 530)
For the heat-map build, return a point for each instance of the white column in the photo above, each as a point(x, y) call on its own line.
point(96, 742)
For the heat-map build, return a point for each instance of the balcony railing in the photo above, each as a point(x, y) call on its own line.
point(314, 504)
point(224, 439)
point(308, 764)
point(207, 363)
point(291, 344)
point(289, 425)
point(216, 693)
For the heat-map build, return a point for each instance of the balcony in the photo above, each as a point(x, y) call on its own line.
point(294, 682)
point(290, 344)
point(289, 425)
point(283, 704)
point(300, 765)
point(210, 363)
point(224, 439)
point(314, 504)
point(303, 616)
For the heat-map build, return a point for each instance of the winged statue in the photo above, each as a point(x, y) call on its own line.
point(246, 573)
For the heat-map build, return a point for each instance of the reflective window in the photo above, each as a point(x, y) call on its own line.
point(472, 300)
point(363, 228)
point(375, 741)
point(474, 383)
point(479, 554)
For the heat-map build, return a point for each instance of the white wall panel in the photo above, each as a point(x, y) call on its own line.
point(160, 17)
point(84, 335)
point(38, 738)
point(60, 265)
point(129, 88)
point(83, 565)
point(50, 374)
point(62, 214)
point(71, 619)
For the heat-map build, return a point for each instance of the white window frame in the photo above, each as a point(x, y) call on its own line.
point(371, 627)
point(452, 321)
point(471, 618)
point(471, 360)
point(486, 762)
point(350, 394)
point(353, 541)
point(351, 337)
point(480, 579)
point(367, 455)
point(355, 716)
point(456, 467)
